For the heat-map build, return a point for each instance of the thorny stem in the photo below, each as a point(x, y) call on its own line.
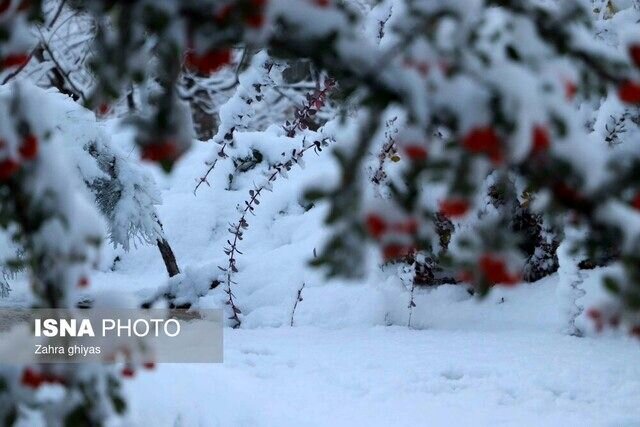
point(298, 299)
point(388, 148)
point(314, 102)
point(203, 179)
point(237, 229)
point(411, 303)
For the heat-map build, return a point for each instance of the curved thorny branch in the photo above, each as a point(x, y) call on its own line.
point(237, 229)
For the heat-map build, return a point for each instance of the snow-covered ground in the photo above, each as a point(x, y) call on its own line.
point(350, 359)
point(394, 376)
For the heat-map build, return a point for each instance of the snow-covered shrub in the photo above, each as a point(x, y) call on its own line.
point(515, 118)
point(61, 233)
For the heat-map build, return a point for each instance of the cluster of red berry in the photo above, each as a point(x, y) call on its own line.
point(34, 379)
point(629, 90)
point(379, 228)
point(19, 59)
point(129, 372)
point(494, 270)
point(166, 150)
point(28, 151)
point(485, 140)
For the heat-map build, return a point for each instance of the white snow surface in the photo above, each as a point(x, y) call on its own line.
point(394, 376)
point(350, 359)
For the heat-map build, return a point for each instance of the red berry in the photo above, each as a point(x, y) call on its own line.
point(149, 365)
point(634, 53)
point(29, 147)
point(454, 208)
point(570, 90)
point(594, 314)
point(376, 226)
point(83, 282)
point(567, 194)
point(4, 6)
point(416, 152)
point(224, 13)
point(409, 226)
point(255, 20)
point(208, 62)
point(103, 109)
point(31, 378)
point(128, 372)
point(322, 3)
point(484, 140)
point(636, 201)
point(8, 168)
point(541, 140)
point(629, 92)
point(495, 271)
point(160, 152)
point(15, 60)
point(394, 251)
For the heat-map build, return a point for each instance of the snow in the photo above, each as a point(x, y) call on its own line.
point(351, 359)
point(384, 376)
point(357, 354)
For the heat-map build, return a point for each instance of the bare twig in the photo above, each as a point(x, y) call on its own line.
point(389, 148)
point(298, 299)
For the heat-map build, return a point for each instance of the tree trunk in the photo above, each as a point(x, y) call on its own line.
point(168, 257)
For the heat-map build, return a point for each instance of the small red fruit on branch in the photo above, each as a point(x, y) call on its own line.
point(409, 226)
point(103, 109)
point(629, 92)
point(416, 152)
point(376, 226)
point(33, 379)
point(15, 60)
point(4, 6)
point(634, 53)
point(395, 251)
point(454, 208)
point(208, 62)
point(29, 147)
point(83, 282)
point(570, 90)
point(256, 18)
point(128, 372)
point(541, 140)
point(224, 13)
point(484, 140)
point(8, 168)
point(160, 152)
point(495, 270)
point(636, 201)
point(596, 316)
